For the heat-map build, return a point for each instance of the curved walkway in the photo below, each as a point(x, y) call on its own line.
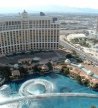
point(46, 95)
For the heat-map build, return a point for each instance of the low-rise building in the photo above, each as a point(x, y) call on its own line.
point(15, 74)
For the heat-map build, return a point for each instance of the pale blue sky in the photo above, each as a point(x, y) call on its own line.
point(11, 6)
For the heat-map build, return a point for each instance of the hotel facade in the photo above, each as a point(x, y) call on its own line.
point(25, 32)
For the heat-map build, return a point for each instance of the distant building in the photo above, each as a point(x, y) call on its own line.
point(25, 32)
point(42, 14)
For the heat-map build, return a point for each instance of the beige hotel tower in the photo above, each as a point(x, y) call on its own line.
point(26, 32)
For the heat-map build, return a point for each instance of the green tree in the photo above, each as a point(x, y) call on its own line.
point(65, 71)
point(22, 71)
point(5, 72)
point(85, 82)
point(75, 40)
point(49, 64)
point(78, 78)
point(36, 69)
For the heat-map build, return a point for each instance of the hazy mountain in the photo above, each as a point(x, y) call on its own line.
point(51, 9)
point(62, 9)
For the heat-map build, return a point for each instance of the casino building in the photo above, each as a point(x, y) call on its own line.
point(26, 32)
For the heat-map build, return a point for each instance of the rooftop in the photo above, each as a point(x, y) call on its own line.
point(24, 15)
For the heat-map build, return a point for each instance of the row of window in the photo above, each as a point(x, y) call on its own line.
point(14, 41)
point(28, 47)
point(31, 32)
point(25, 27)
point(22, 36)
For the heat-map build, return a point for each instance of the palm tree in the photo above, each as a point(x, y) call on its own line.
point(65, 70)
point(79, 79)
point(85, 82)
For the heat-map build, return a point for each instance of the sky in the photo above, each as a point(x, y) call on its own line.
point(11, 6)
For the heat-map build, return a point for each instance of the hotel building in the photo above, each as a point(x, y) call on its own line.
point(26, 32)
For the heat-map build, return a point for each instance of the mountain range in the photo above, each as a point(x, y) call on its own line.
point(51, 9)
point(62, 9)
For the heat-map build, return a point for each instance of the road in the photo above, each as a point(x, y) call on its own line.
point(70, 46)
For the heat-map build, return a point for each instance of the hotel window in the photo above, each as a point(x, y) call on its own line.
point(12, 22)
point(37, 44)
point(9, 22)
point(6, 23)
point(51, 25)
point(48, 45)
point(42, 44)
point(39, 23)
point(54, 25)
point(34, 23)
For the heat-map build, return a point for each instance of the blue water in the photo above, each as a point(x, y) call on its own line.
point(65, 102)
point(61, 84)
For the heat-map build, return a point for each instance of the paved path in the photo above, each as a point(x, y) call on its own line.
point(46, 95)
